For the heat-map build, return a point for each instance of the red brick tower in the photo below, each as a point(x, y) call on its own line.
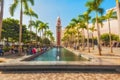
point(58, 32)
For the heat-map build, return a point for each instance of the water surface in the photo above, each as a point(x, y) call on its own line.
point(58, 54)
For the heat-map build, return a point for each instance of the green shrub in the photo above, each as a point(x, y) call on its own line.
point(106, 39)
point(6, 49)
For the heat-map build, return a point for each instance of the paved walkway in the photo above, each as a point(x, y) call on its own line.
point(112, 58)
point(11, 57)
point(59, 76)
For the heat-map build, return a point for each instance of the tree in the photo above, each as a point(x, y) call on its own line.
point(85, 17)
point(36, 26)
point(92, 29)
point(23, 4)
point(11, 29)
point(49, 35)
point(106, 38)
point(118, 14)
point(46, 41)
point(30, 13)
point(52, 38)
point(82, 26)
point(44, 27)
point(1, 16)
point(94, 5)
point(110, 15)
point(76, 22)
point(70, 30)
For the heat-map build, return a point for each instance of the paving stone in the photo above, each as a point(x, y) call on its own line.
point(59, 76)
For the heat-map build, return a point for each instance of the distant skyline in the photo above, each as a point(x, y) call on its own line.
point(49, 10)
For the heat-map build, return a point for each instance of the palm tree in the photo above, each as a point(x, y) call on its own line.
point(48, 33)
point(118, 15)
point(43, 27)
point(94, 5)
point(76, 22)
point(100, 20)
point(69, 33)
point(85, 17)
point(30, 13)
point(66, 39)
point(52, 39)
point(36, 26)
point(37, 23)
point(92, 29)
point(40, 29)
point(110, 14)
point(82, 25)
point(1, 16)
point(23, 4)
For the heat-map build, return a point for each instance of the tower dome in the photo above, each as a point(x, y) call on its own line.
point(58, 21)
point(58, 18)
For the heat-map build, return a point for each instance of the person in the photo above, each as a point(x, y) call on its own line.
point(34, 50)
point(38, 49)
point(1, 52)
point(29, 50)
point(16, 50)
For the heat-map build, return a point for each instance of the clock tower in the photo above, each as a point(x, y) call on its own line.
point(58, 32)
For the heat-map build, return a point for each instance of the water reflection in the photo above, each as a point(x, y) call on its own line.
point(58, 55)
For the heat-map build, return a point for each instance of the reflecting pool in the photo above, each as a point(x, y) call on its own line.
point(58, 54)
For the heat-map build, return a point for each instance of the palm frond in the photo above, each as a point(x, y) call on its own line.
point(100, 10)
point(30, 12)
point(26, 12)
point(31, 1)
point(13, 7)
point(25, 4)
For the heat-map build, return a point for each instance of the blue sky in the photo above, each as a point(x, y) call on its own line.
point(49, 10)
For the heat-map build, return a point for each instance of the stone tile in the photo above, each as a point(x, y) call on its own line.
point(59, 76)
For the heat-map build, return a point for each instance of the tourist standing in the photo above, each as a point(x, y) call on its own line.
point(29, 50)
point(1, 52)
point(34, 50)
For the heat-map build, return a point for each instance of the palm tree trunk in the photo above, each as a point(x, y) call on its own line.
point(1, 17)
point(83, 41)
point(20, 31)
point(111, 50)
point(118, 15)
point(42, 37)
point(30, 31)
point(78, 39)
point(100, 39)
point(36, 37)
point(92, 41)
point(88, 39)
point(98, 30)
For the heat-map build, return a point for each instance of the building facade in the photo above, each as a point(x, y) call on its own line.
point(105, 28)
point(58, 32)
